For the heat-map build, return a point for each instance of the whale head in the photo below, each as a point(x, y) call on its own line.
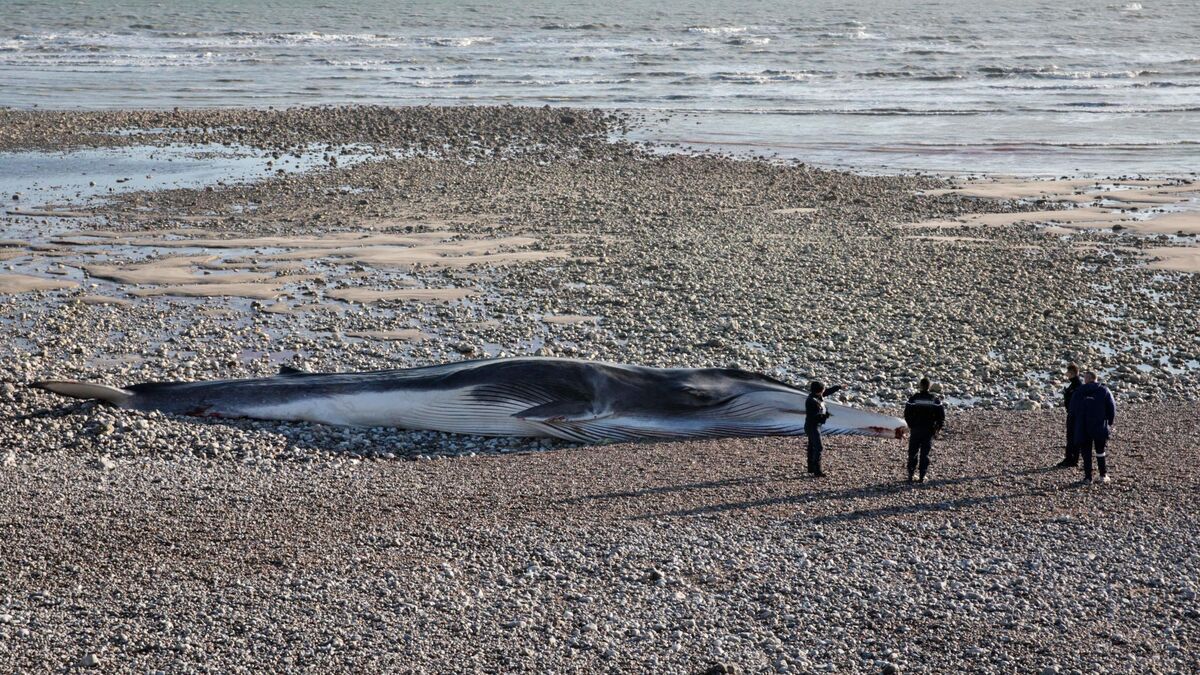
point(742, 400)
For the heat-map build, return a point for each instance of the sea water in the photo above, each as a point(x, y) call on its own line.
point(1005, 86)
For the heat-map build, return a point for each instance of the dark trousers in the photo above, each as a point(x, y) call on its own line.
point(919, 443)
point(1072, 454)
point(814, 450)
point(1085, 446)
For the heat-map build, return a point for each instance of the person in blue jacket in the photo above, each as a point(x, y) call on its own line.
point(1093, 411)
point(815, 415)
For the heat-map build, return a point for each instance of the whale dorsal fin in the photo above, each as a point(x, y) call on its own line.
point(288, 371)
point(561, 411)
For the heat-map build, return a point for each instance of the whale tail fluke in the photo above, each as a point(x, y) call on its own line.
point(87, 390)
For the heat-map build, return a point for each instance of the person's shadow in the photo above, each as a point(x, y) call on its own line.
point(879, 491)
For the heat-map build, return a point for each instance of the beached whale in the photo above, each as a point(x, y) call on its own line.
point(571, 399)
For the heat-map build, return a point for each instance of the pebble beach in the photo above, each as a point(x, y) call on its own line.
point(370, 237)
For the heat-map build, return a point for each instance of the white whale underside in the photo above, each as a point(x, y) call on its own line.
point(456, 411)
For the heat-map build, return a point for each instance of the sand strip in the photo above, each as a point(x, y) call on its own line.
point(11, 284)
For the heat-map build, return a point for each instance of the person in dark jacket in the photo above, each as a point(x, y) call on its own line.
point(1071, 457)
point(925, 416)
point(815, 415)
point(1093, 410)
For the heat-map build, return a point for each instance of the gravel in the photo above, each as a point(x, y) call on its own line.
point(138, 541)
point(662, 557)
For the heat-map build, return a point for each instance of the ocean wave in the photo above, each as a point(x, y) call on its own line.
point(858, 34)
point(466, 79)
point(927, 51)
point(442, 83)
point(91, 40)
point(655, 73)
point(108, 60)
point(361, 65)
point(762, 76)
point(579, 26)
point(912, 74)
point(1053, 72)
point(314, 37)
point(464, 41)
point(1096, 75)
point(748, 40)
point(717, 30)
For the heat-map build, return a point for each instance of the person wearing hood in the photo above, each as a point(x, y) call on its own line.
point(1071, 457)
point(1093, 411)
point(815, 415)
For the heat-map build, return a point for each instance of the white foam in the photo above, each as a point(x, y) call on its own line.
point(465, 41)
point(717, 30)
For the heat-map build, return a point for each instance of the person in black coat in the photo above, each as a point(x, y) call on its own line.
point(1093, 411)
point(815, 415)
point(925, 416)
point(1071, 457)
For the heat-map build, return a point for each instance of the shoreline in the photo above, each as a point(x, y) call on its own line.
point(632, 125)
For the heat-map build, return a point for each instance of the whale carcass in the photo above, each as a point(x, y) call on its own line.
point(571, 399)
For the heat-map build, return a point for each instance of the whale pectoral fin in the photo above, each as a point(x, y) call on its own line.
point(287, 371)
point(560, 411)
point(700, 393)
